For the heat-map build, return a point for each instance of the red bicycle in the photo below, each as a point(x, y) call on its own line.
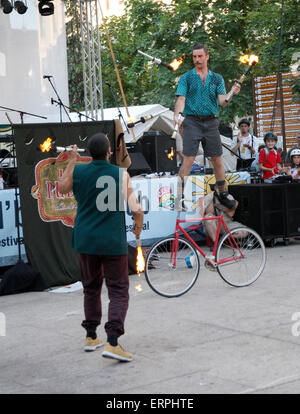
point(173, 264)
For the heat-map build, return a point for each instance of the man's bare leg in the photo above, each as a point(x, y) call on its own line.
point(222, 194)
point(183, 173)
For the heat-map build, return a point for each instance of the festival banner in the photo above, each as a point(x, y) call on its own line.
point(47, 215)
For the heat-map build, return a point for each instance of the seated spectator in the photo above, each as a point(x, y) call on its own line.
point(297, 146)
point(245, 145)
point(210, 206)
point(294, 169)
point(269, 161)
point(254, 165)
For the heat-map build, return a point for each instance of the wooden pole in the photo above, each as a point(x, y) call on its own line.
point(116, 68)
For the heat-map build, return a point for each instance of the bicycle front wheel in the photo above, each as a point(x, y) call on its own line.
point(241, 257)
point(172, 273)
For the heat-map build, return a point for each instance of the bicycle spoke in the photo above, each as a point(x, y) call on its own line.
point(242, 261)
point(166, 278)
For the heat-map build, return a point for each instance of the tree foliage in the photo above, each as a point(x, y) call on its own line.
point(166, 31)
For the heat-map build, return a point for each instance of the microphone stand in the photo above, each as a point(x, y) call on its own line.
point(225, 146)
point(59, 100)
point(80, 114)
point(22, 113)
point(116, 105)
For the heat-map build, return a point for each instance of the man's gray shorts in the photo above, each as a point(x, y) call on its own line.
point(206, 130)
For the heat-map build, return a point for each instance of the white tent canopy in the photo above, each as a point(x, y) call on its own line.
point(162, 122)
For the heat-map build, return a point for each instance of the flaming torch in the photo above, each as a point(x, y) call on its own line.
point(252, 60)
point(132, 122)
point(140, 261)
point(174, 65)
point(48, 145)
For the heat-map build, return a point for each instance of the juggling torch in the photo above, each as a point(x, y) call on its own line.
point(145, 118)
point(252, 60)
point(48, 145)
point(175, 130)
point(174, 65)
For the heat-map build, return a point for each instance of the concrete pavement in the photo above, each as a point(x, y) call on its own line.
point(214, 339)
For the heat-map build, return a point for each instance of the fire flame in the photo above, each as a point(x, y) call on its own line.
point(46, 145)
point(140, 261)
point(176, 63)
point(250, 59)
point(138, 288)
point(171, 154)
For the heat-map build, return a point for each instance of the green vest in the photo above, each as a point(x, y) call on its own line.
point(100, 219)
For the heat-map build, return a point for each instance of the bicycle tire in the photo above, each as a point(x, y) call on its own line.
point(245, 270)
point(160, 273)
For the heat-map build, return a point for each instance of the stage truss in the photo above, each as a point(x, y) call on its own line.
point(91, 58)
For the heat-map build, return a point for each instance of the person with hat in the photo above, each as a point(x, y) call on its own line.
point(245, 145)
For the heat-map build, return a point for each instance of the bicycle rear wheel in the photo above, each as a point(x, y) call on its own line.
point(163, 276)
point(242, 258)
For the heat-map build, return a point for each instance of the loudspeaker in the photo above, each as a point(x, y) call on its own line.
point(159, 150)
point(261, 207)
point(292, 191)
point(138, 165)
point(10, 176)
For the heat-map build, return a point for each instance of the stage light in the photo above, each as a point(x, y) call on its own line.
point(46, 7)
point(6, 6)
point(20, 6)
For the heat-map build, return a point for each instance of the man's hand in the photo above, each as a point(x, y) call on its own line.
point(73, 153)
point(236, 88)
point(136, 230)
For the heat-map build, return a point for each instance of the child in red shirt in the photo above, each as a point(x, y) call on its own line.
point(269, 158)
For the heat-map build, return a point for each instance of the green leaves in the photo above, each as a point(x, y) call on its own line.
point(230, 28)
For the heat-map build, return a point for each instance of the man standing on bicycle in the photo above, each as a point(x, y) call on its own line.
point(199, 92)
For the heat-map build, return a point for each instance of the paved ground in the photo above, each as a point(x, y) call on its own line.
point(214, 339)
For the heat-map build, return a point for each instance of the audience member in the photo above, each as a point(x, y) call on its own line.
point(269, 157)
point(245, 145)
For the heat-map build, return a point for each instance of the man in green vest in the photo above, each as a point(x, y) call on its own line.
point(99, 237)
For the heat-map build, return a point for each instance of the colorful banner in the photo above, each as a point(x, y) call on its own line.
point(9, 251)
point(47, 216)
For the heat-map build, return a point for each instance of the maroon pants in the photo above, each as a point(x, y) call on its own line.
point(115, 271)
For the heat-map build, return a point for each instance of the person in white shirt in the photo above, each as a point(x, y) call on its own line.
point(245, 145)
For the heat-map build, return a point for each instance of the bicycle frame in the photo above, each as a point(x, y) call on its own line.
point(211, 258)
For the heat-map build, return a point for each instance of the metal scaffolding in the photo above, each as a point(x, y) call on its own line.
point(91, 58)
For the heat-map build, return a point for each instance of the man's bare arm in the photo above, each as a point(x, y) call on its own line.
point(65, 183)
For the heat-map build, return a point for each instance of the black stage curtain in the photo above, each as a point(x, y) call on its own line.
point(47, 217)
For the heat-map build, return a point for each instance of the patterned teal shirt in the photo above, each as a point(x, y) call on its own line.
point(201, 99)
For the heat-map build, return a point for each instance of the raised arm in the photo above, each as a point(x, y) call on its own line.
point(65, 183)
